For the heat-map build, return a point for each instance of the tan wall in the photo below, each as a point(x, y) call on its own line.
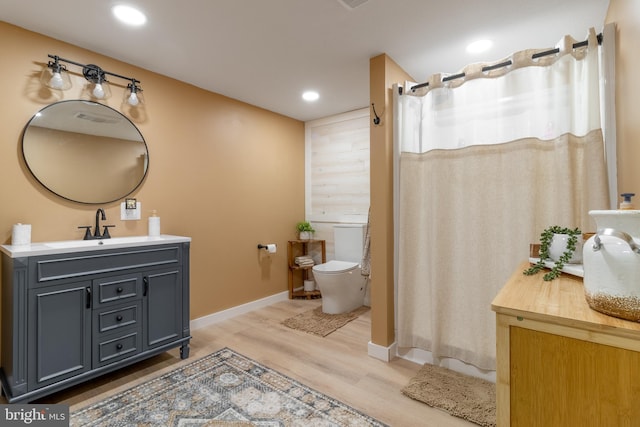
point(626, 15)
point(384, 72)
point(228, 174)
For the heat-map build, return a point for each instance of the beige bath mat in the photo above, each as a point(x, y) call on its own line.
point(318, 323)
point(463, 396)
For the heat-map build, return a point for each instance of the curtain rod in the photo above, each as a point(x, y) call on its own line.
point(508, 62)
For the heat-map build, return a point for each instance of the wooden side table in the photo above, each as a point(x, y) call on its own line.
point(559, 362)
point(297, 248)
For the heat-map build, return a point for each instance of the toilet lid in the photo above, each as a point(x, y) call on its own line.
point(335, 266)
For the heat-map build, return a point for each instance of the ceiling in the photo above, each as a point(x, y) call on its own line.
point(267, 52)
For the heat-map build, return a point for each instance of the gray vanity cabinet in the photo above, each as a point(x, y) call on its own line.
point(70, 317)
point(59, 333)
point(117, 317)
point(163, 292)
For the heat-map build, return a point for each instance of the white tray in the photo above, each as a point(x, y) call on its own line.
point(573, 269)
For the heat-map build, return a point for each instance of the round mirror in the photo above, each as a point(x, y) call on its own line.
point(85, 151)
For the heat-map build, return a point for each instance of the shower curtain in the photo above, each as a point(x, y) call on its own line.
point(487, 160)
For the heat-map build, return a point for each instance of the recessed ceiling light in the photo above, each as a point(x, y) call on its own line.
point(479, 46)
point(310, 96)
point(129, 15)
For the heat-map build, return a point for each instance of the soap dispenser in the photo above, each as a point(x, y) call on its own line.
point(154, 224)
point(626, 202)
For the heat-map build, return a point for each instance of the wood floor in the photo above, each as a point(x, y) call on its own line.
point(337, 365)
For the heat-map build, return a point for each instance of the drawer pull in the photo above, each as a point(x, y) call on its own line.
point(119, 346)
point(119, 290)
point(119, 318)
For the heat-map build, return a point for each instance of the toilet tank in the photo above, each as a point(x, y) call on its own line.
point(348, 242)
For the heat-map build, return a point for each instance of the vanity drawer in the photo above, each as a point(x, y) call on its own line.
point(117, 289)
point(49, 268)
point(109, 320)
point(114, 348)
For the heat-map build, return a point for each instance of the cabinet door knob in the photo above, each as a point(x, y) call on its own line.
point(119, 318)
point(119, 290)
point(119, 347)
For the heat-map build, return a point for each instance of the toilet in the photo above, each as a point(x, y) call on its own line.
point(340, 281)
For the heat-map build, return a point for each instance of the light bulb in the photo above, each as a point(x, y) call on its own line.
point(56, 81)
point(54, 77)
point(98, 92)
point(133, 99)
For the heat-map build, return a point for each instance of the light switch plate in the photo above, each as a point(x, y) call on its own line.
point(129, 214)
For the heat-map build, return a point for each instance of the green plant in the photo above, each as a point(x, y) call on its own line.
point(305, 226)
point(545, 242)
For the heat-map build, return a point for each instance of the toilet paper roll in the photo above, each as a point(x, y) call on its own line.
point(309, 285)
point(272, 248)
point(21, 234)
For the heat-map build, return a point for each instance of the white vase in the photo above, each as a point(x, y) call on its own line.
point(611, 261)
point(305, 235)
point(559, 245)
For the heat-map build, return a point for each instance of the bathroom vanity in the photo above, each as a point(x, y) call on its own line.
point(72, 311)
point(559, 362)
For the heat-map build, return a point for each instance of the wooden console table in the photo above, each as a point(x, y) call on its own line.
point(560, 363)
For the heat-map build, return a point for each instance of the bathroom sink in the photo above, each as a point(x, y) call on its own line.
point(57, 247)
point(69, 244)
point(73, 244)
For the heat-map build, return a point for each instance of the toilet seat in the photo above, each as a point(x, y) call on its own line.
point(335, 267)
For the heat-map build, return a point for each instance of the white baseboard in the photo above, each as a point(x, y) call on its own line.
point(380, 352)
point(219, 316)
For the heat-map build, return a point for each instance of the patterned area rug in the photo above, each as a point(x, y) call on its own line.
point(463, 396)
point(222, 389)
point(318, 323)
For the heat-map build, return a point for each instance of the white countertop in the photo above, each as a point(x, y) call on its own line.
point(66, 246)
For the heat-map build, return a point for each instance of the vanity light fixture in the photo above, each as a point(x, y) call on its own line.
point(98, 86)
point(55, 76)
point(133, 94)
